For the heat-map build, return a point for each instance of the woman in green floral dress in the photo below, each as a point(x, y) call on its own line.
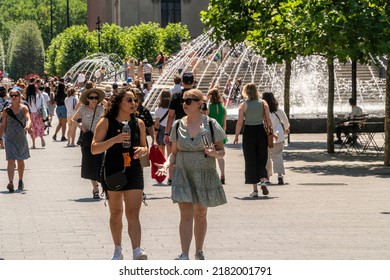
point(195, 182)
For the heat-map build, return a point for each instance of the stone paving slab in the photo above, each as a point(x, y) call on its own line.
point(332, 207)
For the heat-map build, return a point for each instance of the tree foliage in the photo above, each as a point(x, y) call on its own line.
point(144, 41)
point(27, 54)
point(16, 11)
point(75, 43)
point(172, 36)
point(111, 40)
point(281, 30)
point(2, 57)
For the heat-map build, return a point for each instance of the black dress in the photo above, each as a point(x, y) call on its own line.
point(114, 160)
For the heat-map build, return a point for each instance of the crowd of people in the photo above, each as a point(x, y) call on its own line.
point(189, 128)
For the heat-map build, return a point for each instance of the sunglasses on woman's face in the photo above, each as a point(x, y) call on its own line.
point(131, 100)
point(188, 101)
point(14, 95)
point(93, 97)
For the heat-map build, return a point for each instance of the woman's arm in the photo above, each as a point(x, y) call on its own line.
point(240, 121)
point(171, 160)
point(217, 151)
point(224, 121)
point(267, 120)
point(3, 124)
point(142, 149)
point(27, 116)
point(77, 116)
point(156, 128)
point(99, 145)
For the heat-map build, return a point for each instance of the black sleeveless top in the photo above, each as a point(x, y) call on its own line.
point(114, 160)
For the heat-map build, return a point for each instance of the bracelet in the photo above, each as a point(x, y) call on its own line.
point(156, 129)
point(167, 134)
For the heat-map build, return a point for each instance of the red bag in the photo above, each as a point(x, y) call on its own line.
point(156, 156)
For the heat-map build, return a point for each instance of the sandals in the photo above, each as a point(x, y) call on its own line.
point(10, 187)
point(20, 185)
point(96, 194)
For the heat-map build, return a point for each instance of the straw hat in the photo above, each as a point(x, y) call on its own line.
point(85, 94)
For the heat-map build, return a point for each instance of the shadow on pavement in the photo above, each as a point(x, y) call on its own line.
point(255, 198)
point(86, 199)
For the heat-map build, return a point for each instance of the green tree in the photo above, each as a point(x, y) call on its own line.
point(27, 54)
point(283, 29)
point(143, 41)
point(112, 40)
point(15, 11)
point(171, 37)
point(2, 57)
point(75, 43)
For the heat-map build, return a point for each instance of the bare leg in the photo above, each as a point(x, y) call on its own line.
point(221, 164)
point(11, 170)
point(200, 225)
point(63, 126)
point(133, 200)
point(115, 204)
point(21, 169)
point(95, 185)
point(186, 224)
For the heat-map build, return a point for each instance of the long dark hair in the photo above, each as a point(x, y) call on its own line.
point(113, 105)
point(31, 93)
point(271, 101)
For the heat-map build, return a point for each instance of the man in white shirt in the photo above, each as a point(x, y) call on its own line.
point(80, 79)
point(352, 124)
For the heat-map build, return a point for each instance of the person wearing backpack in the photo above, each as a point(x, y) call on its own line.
point(195, 183)
point(15, 124)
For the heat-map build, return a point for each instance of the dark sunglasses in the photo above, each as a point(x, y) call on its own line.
point(93, 97)
point(131, 100)
point(14, 95)
point(204, 107)
point(188, 101)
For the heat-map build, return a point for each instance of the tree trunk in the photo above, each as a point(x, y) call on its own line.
point(354, 78)
point(287, 79)
point(330, 120)
point(387, 115)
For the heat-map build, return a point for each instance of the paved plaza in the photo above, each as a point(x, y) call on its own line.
point(332, 207)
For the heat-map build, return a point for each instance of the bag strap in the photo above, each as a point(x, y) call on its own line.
point(165, 115)
point(279, 119)
point(93, 118)
point(211, 130)
point(12, 115)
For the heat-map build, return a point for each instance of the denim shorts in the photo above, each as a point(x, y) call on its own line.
point(61, 112)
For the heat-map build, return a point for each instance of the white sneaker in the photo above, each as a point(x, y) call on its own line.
point(117, 254)
point(254, 194)
point(200, 255)
point(139, 254)
point(182, 257)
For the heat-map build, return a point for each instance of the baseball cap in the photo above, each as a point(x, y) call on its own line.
point(188, 78)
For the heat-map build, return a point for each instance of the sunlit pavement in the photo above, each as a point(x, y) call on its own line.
point(331, 207)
